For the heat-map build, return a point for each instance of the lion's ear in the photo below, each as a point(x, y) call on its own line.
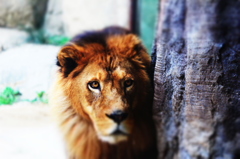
point(68, 59)
point(132, 48)
point(137, 51)
point(143, 54)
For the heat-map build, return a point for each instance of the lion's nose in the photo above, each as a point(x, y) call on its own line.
point(118, 116)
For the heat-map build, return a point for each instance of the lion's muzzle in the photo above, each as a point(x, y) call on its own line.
point(118, 116)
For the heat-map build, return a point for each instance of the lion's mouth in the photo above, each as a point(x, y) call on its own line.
point(117, 135)
point(118, 132)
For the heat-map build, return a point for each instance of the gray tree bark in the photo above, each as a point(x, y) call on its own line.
point(197, 79)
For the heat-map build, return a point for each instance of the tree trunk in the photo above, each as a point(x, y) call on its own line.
point(197, 79)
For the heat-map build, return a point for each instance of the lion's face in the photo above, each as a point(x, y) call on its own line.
point(106, 83)
point(106, 97)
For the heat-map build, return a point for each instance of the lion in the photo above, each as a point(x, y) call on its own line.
point(102, 97)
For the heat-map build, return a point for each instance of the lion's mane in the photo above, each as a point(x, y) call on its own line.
point(104, 48)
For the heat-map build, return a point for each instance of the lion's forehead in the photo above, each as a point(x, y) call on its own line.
point(121, 72)
point(97, 72)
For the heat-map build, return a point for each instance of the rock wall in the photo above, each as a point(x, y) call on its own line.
point(197, 79)
point(64, 17)
point(22, 14)
point(70, 17)
point(53, 24)
point(11, 38)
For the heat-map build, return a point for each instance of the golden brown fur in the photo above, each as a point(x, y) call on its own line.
point(102, 73)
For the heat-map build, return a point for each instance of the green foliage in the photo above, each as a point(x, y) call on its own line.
point(9, 96)
point(57, 40)
point(41, 97)
point(38, 36)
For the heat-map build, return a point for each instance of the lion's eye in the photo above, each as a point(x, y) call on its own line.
point(128, 83)
point(94, 85)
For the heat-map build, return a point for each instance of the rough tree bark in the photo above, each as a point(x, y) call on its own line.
point(197, 79)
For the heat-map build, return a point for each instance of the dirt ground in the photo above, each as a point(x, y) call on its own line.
point(27, 131)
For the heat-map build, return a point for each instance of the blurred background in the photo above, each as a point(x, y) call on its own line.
point(31, 34)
